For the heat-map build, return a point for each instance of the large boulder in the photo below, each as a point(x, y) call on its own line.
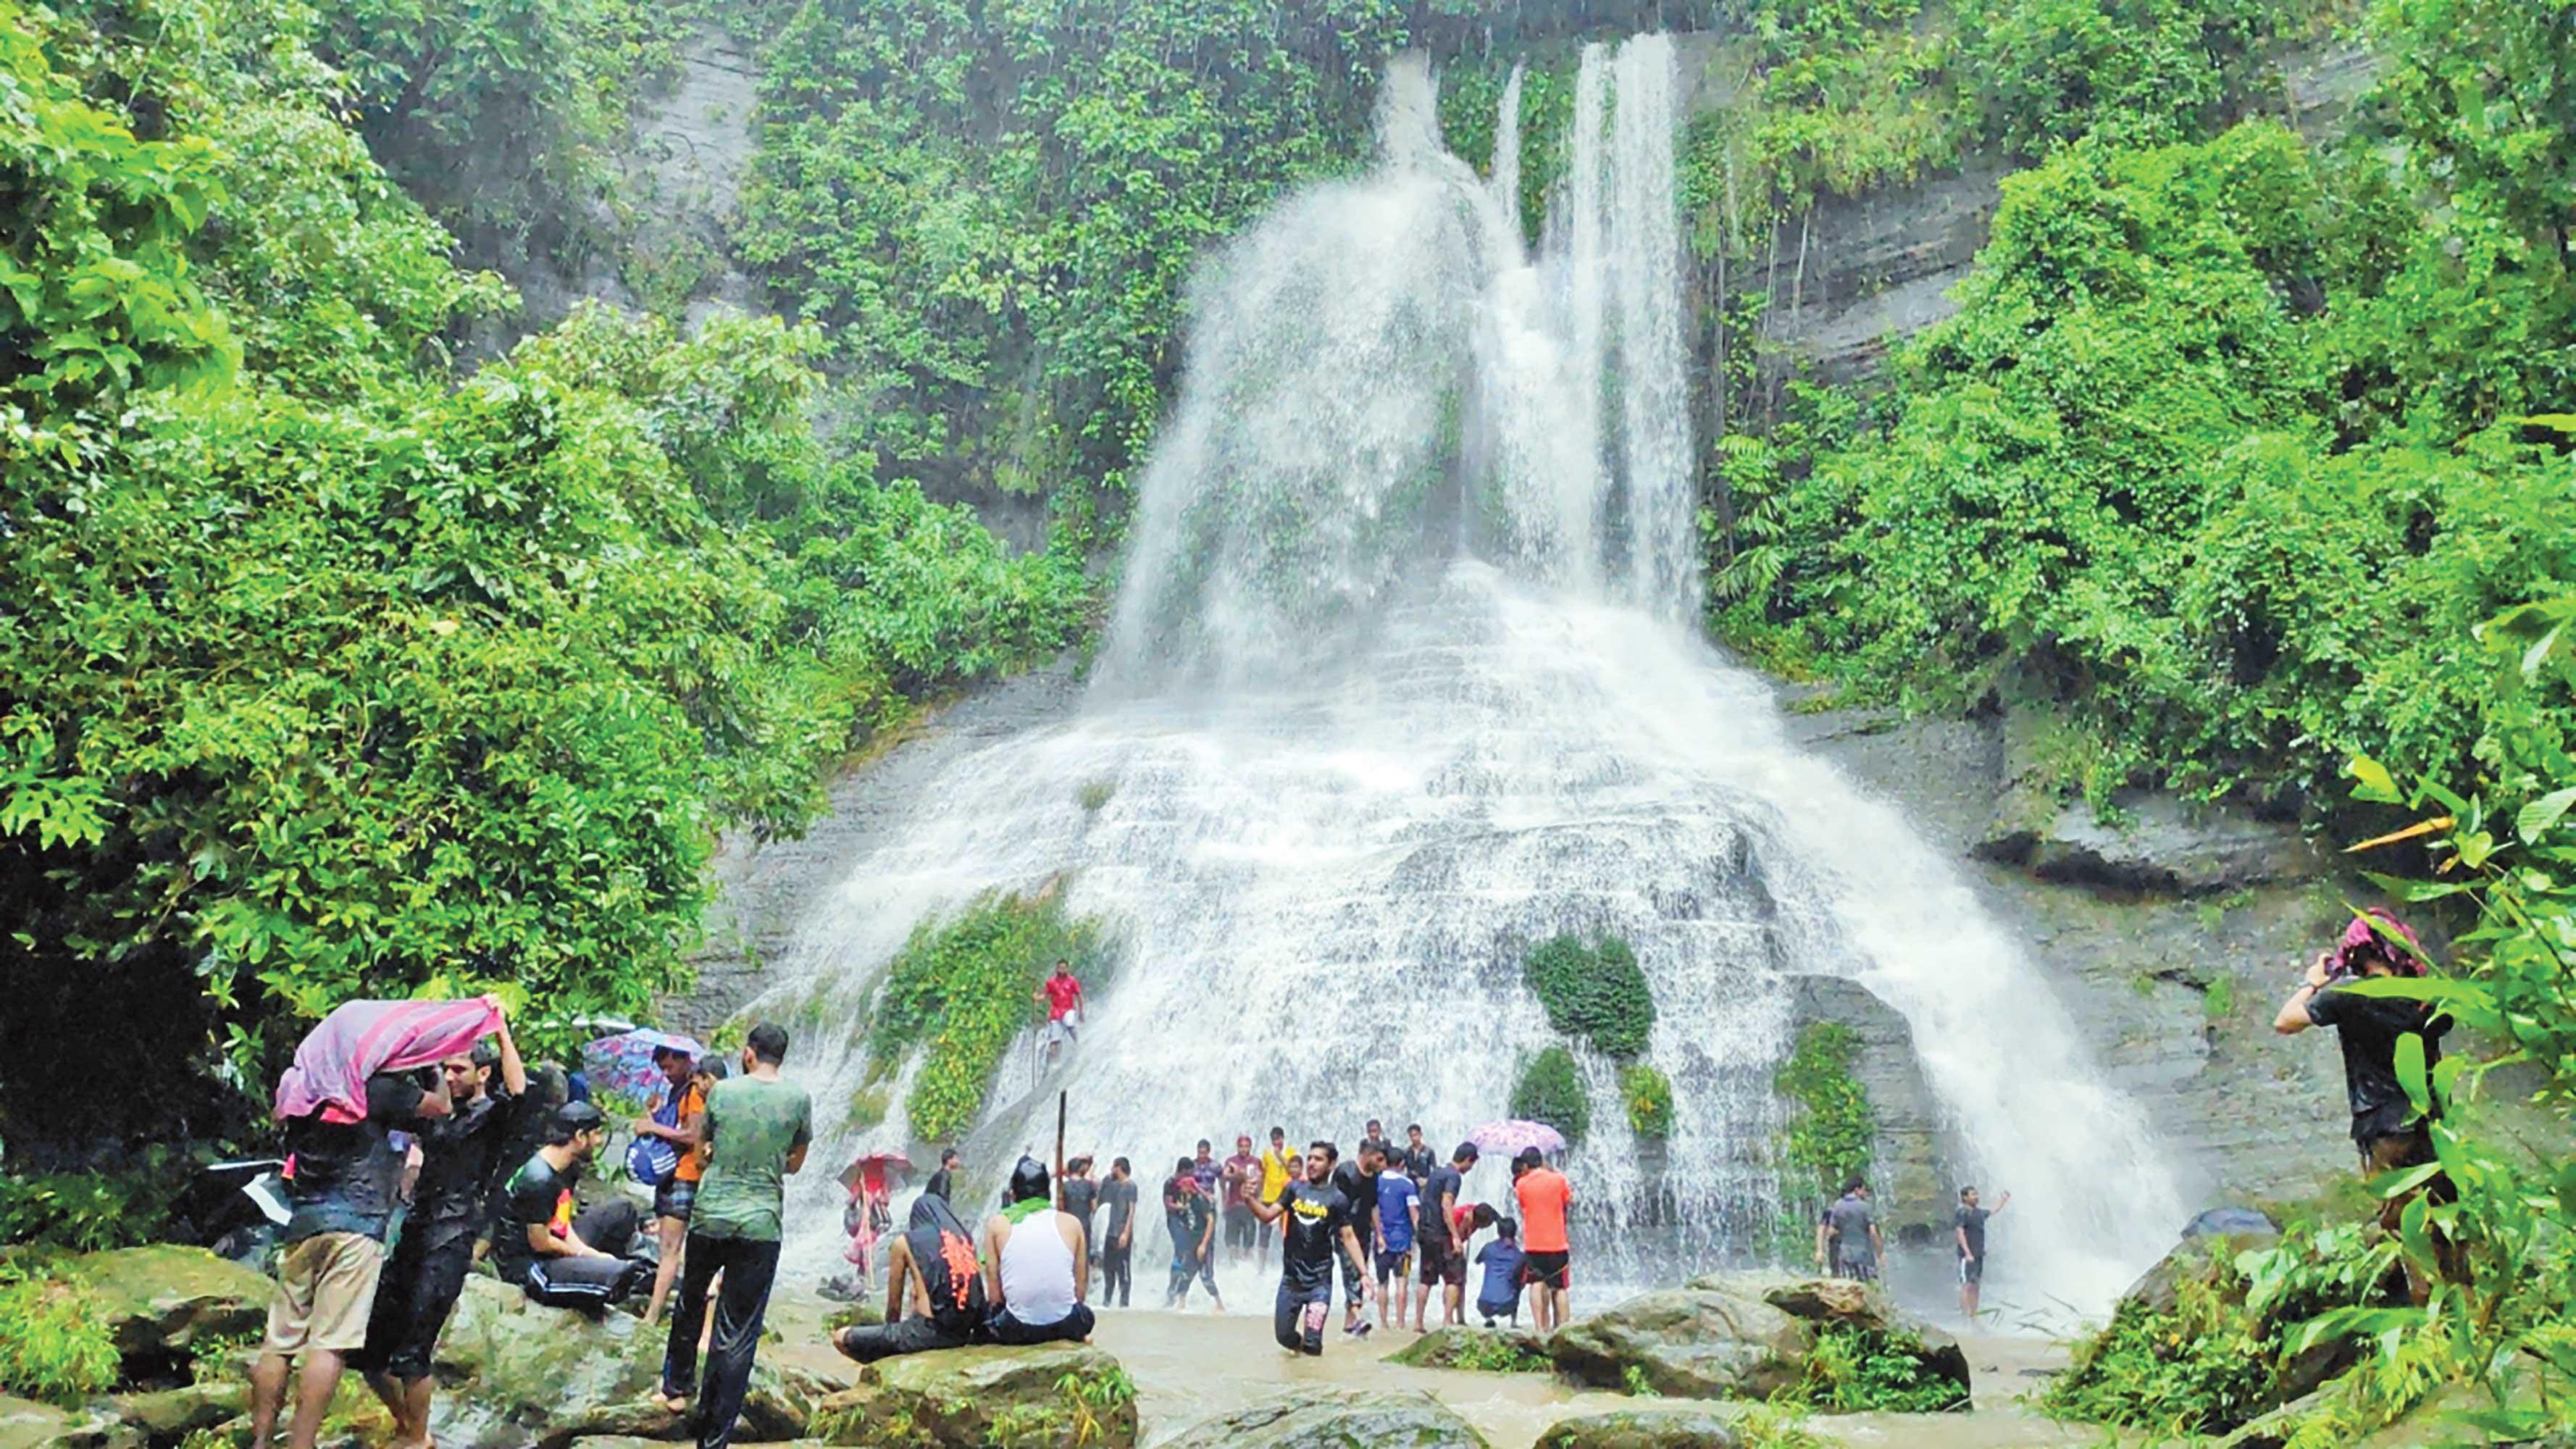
point(1333, 1418)
point(25, 1424)
point(1844, 1303)
point(1708, 1342)
point(986, 1398)
point(1648, 1426)
point(2199, 1257)
point(168, 1415)
point(1491, 1350)
point(162, 1298)
point(523, 1375)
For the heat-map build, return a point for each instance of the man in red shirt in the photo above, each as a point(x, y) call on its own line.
point(1063, 997)
point(1544, 1196)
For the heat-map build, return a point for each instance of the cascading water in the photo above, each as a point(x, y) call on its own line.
point(1398, 682)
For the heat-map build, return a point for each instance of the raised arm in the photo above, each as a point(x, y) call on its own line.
point(2294, 1016)
point(514, 1072)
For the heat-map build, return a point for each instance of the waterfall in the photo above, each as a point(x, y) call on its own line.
point(1386, 698)
point(1507, 152)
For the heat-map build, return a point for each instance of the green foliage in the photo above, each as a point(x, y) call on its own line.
point(1649, 1095)
point(1862, 1370)
point(960, 990)
point(1832, 1131)
point(2214, 1361)
point(1634, 1383)
point(1550, 1090)
point(1593, 990)
point(1498, 1354)
point(1094, 794)
point(2121, 486)
point(2141, 72)
point(328, 673)
point(90, 1212)
point(55, 1346)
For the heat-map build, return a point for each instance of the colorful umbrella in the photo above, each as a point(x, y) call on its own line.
point(883, 1162)
point(624, 1063)
point(1507, 1138)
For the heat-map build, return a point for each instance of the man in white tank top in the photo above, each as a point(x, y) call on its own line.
point(1037, 1270)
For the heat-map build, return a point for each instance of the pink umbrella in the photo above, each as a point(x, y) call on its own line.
point(1509, 1136)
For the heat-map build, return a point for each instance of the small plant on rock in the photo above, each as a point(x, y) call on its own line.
point(1593, 990)
point(54, 1344)
point(1551, 1091)
point(1649, 1094)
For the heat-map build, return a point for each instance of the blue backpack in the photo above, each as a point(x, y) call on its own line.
point(651, 1160)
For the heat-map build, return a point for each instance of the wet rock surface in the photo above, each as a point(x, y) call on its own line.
point(985, 1398)
point(1337, 1418)
point(1470, 1348)
point(1716, 1339)
point(25, 1424)
point(1659, 1426)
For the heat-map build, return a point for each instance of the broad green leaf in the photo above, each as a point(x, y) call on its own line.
point(2535, 819)
point(2373, 783)
point(2410, 1072)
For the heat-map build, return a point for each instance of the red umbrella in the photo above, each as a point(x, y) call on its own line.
point(875, 1164)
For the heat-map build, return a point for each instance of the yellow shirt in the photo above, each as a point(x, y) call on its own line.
point(1278, 1165)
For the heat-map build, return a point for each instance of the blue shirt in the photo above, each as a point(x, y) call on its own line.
point(1394, 1190)
point(1502, 1260)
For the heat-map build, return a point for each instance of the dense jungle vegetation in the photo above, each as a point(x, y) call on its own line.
point(343, 650)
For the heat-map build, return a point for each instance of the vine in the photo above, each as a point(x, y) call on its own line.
point(1832, 1132)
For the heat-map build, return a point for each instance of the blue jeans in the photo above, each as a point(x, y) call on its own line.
point(1287, 1318)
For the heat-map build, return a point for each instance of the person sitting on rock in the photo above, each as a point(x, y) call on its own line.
point(1036, 1270)
point(564, 1255)
point(934, 1290)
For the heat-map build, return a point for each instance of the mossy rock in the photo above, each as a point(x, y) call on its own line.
point(161, 1298)
point(1335, 1418)
point(980, 1398)
point(1477, 1349)
point(171, 1414)
point(1702, 1343)
point(25, 1424)
point(1661, 1426)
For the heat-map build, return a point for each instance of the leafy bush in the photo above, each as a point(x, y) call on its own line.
point(1832, 1131)
point(54, 1344)
point(1858, 1370)
point(1593, 990)
point(962, 989)
point(2134, 71)
point(88, 1212)
point(1550, 1090)
point(2215, 1360)
point(1649, 1094)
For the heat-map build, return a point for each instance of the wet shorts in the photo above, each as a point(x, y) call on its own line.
point(1862, 1270)
point(1443, 1264)
point(674, 1198)
point(1548, 1270)
point(1398, 1266)
point(1972, 1270)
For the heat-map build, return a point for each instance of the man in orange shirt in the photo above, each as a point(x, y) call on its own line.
point(677, 1193)
point(1544, 1196)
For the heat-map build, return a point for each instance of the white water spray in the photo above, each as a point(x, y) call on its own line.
point(1386, 700)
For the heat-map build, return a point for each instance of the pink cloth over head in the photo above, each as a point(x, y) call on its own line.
point(361, 1038)
point(2359, 936)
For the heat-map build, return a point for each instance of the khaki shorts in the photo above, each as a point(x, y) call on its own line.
point(326, 1287)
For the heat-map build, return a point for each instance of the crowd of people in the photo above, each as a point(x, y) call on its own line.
point(410, 1164)
point(1388, 1222)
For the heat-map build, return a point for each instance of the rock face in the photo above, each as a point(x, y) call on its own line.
point(1715, 1341)
point(1914, 1145)
point(1659, 1426)
point(1322, 1418)
point(2194, 1257)
point(526, 1376)
point(1838, 1302)
point(983, 1398)
point(161, 1298)
point(165, 1415)
point(2163, 845)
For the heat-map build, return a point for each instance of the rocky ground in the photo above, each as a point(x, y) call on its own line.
point(516, 1376)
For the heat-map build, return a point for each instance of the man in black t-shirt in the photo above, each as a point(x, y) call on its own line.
point(1191, 1216)
point(1444, 1258)
point(1117, 1233)
point(1357, 1181)
point(547, 1244)
point(1315, 1223)
point(345, 1177)
point(1969, 1227)
point(2385, 1125)
point(460, 1159)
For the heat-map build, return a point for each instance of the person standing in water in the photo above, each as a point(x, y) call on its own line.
point(1970, 1228)
point(1240, 1183)
point(1419, 1159)
point(1544, 1196)
point(1439, 1245)
point(1118, 1233)
point(1399, 1207)
point(1852, 1228)
point(1279, 1167)
point(1192, 1219)
point(1081, 1196)
point(1357, 1181)
point(1315, 1221)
